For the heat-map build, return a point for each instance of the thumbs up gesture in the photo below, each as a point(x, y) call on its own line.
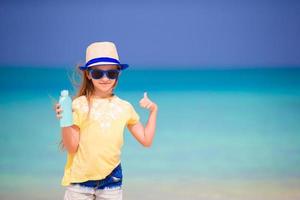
point(145, 102)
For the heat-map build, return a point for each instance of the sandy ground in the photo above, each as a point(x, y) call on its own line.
point(152, 190)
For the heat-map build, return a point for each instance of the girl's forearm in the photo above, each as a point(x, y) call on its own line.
point(150, 127)
point(70, 137)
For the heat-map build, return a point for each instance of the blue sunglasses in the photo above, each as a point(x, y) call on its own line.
point(98, 73)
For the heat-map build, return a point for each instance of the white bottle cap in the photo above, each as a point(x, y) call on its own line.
point(64, 93)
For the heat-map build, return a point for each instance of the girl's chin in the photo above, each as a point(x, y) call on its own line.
point(105, 90)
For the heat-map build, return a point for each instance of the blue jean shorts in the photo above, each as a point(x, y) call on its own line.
point(113, 180)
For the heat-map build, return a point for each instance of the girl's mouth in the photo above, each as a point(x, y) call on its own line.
point(105, 84)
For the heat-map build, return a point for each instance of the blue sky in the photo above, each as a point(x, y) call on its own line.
point(212, 33)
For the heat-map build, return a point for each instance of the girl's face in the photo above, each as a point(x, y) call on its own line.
point(104, 84)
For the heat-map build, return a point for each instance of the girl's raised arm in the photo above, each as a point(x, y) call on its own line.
point(145, 135)
point(70, 135)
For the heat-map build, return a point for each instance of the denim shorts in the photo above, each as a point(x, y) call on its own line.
point(113, 180)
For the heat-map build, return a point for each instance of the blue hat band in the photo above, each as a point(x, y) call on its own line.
point(103, 59)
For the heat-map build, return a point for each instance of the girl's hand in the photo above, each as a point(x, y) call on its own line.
point(145, 102)
point(58, 110)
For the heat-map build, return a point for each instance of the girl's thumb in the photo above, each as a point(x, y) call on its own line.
point(145, 95)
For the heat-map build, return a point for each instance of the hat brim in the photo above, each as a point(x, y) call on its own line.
point(122, 66)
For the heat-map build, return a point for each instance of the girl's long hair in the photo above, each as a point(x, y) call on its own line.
point(85, 88)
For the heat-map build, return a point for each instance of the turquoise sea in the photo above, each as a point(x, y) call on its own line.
point(228, 134)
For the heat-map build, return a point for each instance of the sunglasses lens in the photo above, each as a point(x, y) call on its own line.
point(112, 74)
point(97, 74)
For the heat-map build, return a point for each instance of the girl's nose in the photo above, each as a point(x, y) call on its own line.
point(104, 77)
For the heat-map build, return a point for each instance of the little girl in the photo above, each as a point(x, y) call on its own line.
point(94, 141)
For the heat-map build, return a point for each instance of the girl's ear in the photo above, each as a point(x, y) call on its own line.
point(87, 74)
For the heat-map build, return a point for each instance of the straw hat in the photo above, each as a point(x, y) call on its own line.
point(102, 53)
